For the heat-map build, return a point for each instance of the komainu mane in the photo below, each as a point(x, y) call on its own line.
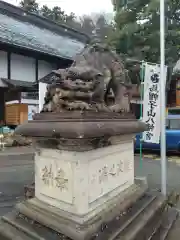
point(96, 81)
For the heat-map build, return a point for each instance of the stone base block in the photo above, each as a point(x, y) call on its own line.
point(76, 227)
point(142, 215)
point(82, 182)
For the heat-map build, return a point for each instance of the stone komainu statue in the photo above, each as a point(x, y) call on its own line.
point(96, 81)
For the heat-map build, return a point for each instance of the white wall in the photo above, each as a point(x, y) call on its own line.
point(42, 93)
point(3, 64)
point(44, 68)
point(3, 67)
point(23, 68)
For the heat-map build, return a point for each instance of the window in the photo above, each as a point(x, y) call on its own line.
point(30, 95)
point(174, 124)
point(174, 111)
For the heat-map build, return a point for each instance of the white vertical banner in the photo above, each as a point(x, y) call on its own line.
point(151, 103)
point(42, 93)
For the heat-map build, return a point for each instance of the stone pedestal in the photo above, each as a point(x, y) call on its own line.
point(81, 186)
point(82, 183)
point(84, 172)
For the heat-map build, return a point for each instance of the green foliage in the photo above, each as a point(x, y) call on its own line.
point(46, 12)
point(30, 5)
point(87, 24)
point(137, 29)
point(55, 14)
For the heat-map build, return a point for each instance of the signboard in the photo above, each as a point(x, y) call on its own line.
point(151, 103)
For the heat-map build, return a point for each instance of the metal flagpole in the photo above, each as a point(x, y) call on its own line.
point(163, 102)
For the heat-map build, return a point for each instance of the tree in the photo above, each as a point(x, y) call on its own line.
point(71, 21)
point(45, 11)
point(137, 24)
point(55, 14)
point(102, 27)
point(58, 14)
point(87, 24)
point(30, 5)
point(96, 24)
point(90, 25)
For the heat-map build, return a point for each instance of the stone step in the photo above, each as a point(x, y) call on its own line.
point(139, 222)
point(174, 233)
point(40, 231)
point(73, 226)
point(9, 232)
point(133, 225)
point(167, 222)
point(142, 221)
point(22, 226)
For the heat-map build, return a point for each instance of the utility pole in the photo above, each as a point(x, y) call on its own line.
point(163, 100)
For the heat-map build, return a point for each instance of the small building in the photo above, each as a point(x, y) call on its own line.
point(31, 46)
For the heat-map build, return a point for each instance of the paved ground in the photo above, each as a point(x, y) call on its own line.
point(154, 156)
point(16, 170)
point(151, 168)
point(16, 150)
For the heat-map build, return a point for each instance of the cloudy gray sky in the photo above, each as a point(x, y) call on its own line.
point(79, 7)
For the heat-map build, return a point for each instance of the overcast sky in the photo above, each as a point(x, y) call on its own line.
point(79, 7)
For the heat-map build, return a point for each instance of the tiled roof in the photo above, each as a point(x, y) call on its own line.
point(29, 36)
